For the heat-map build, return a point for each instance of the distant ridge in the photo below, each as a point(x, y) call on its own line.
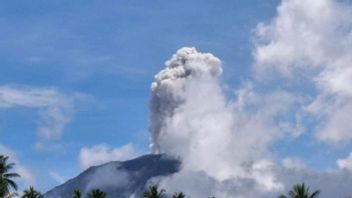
point(119, 179)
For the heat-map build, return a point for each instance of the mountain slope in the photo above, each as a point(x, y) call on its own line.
point(119, 179)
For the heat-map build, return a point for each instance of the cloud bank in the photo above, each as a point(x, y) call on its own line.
point(312, 40)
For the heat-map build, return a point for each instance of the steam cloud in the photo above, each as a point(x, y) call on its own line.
point(224, 145)
point(215, 138)
point(172, 85)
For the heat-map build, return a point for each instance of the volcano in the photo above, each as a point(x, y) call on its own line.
point(120, 179)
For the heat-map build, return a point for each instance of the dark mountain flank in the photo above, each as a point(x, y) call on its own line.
point(119, 179)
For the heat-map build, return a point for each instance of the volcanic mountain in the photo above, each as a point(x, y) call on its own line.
point(119, 179)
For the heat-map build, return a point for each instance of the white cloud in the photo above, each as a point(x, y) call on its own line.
point(99, 154)
point(313, 40)
point(334, 114)
point(57, 177)
point(27, 177)
point(46, 146)
point(293, 163)
point(101, 178)
point(55, 109)
point(345, 163)
point(303, 35)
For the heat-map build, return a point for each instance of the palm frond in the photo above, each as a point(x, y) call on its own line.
point(11, 183)
point(11, 175)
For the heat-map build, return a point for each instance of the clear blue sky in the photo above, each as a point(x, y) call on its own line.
point(109, 51)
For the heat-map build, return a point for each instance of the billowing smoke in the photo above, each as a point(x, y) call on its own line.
point(172, 85)
point(216, 139)
point(225, 145)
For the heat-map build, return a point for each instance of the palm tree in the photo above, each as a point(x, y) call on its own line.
point(301, 191)
point(154, 192)
point(6, 177)
point(77, 194)
point(31, 193)
point(96, 193)
point(179, 195)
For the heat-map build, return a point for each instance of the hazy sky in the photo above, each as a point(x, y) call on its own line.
point(75, 75)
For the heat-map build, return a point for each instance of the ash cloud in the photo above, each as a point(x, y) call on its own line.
point(224, 142)
point(224, 145)
point(170, 87)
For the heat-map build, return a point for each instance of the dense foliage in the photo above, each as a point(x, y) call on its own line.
point(31, 193)
point(6, 177)
point(96, 193)
point(301, 191)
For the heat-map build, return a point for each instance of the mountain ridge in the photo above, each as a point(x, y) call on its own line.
point(119, 178)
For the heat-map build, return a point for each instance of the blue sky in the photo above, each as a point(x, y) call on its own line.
point(103, 57)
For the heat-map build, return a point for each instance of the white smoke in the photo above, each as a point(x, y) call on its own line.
point(101, 178)
point(225, 145)
point(170, 87)
point(221, 140)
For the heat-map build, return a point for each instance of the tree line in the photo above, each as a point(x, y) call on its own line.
point(8, 188)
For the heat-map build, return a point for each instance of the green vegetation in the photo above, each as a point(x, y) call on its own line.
point(31, 193)
point(154, 192)
point(301, 191)
point(77, 194)
point(179, 195)
point(96, 193)
point(6, 178)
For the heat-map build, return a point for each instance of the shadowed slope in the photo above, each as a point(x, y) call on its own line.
point(119, 179)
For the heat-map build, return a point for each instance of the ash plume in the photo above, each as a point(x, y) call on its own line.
point(171, 84)
point(224, 145)
point(192, 119)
